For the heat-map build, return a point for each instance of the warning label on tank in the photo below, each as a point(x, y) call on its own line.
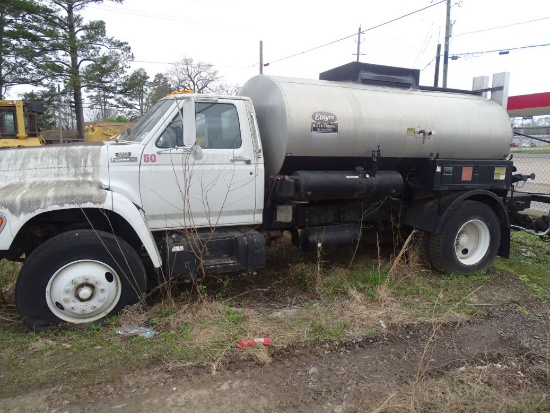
point(324, 122)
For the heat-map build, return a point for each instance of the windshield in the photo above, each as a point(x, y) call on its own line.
point(148, 122)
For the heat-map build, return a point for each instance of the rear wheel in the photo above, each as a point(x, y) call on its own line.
point(77, 279)
point(468, 241)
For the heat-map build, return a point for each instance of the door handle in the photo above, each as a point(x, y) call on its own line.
point(247, 161)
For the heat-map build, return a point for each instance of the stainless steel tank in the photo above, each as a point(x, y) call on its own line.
point(313, 124)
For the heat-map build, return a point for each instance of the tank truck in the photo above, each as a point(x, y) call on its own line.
point(201, 182)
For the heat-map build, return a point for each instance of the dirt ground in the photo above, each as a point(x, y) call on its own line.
point(418, 367)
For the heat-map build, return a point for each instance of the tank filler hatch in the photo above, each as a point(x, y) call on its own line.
point(371, 74)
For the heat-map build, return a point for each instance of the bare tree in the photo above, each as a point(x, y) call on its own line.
point(223, 88)
point(198, 76)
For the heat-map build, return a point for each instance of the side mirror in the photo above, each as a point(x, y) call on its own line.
point(189, 126)
point(196, 152)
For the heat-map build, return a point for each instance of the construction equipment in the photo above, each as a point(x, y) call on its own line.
point(19, 123)
point(97, 132)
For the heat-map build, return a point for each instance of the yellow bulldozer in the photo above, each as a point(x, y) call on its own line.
point(96, 132)
point(19, 123)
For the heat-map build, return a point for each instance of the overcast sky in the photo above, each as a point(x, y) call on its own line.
point(227, 34)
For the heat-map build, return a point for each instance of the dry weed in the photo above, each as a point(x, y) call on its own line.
point(357, 297)
point(492, 387)
point(408, 259)
point(261, 355)
point(385, 295)
point(135, 315)
point(305, 275)
point(479, 389)
point(408, 262)
point(8, 275)
point(172, 314)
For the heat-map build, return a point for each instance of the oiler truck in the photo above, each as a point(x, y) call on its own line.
point(19, 124)
point(200, 182)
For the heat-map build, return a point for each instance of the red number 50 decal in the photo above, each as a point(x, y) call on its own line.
point(149, 158)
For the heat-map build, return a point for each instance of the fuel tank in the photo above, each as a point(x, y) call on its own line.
point(328, 125)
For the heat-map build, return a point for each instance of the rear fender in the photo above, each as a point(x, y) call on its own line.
point(430, 214)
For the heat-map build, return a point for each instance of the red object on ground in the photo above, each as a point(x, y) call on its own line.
point(266, 341)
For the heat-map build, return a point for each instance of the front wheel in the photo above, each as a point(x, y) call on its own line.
point(469, 239)
point(78, 278)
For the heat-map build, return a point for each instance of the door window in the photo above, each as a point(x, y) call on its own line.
point(218, 126)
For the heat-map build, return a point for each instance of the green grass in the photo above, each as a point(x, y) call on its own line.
point(436, 295)
point(82, 357)
point(531, 151)
point(529, 262)
point(327, 331)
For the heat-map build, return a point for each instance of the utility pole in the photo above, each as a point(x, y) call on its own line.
point(448, 29)
point(358, 43)
point(261, 57)
point(59, 106)
point(437, 59)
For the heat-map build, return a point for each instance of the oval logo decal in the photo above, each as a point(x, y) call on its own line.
point(324, 117)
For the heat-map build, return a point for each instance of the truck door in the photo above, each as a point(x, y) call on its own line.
point(213, 184)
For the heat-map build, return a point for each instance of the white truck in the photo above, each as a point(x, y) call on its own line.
point(199, 183)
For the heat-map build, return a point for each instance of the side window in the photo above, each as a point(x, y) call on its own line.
point(172, 136)
point(218, 126)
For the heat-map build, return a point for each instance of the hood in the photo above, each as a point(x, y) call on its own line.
point(50, 176)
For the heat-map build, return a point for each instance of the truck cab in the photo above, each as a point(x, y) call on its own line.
point(199, 163)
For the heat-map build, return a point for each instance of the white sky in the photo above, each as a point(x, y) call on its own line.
point(227, 34)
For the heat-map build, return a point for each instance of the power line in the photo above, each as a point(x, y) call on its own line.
point(504, 51)
point(501, 27)
point(150, 15)
point(426, 43)
point(172, 62)
point(148, 61)
point(355, 34)
point(430, 62)
point(456, 56)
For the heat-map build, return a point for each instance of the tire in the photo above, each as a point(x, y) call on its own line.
point(469, 239)
point(78, 279)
